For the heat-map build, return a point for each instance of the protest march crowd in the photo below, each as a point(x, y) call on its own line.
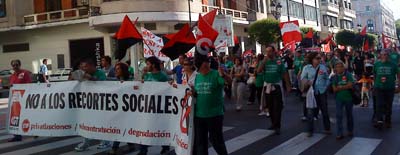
point(353, 77)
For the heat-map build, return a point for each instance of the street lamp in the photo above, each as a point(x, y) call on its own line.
point(359, 26)
point(276, 9)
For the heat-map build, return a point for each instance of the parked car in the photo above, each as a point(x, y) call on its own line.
point(5, 78)
point(61, 74)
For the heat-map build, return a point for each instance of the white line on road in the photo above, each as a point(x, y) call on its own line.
point(24, 141)
point(3, 106)
point(45, 147)
point(226, 128)
point(6, 137)
point(359, 146)
point(243, 140)
point(295, 145)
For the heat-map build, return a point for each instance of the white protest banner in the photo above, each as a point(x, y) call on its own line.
point(222, 47)
point(224, 25)
point(150, 113)
point(152, 45)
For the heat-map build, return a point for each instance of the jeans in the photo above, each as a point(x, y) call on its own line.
point(238, 90)
point(348, 106)
point(275, 107)
point(322, 104)
point(306, 110)
point(209, 128)
point(384, 103)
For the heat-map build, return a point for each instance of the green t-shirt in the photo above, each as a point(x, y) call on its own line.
point(298, 63)
point(394, 58)
point(99, 75)
point(385, 75)
point(158, 77)
point(259, 78)
point(273, 71)
point(342, 80)
point(131, 71)
point(229, 64)
point(209, 100)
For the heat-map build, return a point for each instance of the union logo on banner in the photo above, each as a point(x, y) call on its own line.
point(290, 31)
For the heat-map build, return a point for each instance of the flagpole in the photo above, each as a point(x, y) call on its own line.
point(190, 14)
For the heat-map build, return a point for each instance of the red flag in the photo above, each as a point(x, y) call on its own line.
point(180, 43)
point(126, 36)
point(364, 31)
point(247, 53)
point(310, 33)
point(206, 36)
point(386, 41)
point(236, 39)
point(327, 47)
point(290, 46)
point(290, 31)
point(210, 16)
point(366, 45)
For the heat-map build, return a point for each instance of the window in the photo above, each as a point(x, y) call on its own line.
point(2, 8)
point(345, 4)
point(325, 20)
point(150, 26)
point(329, 20)
point(53, 5)
point(349, 5)
point(370, 25)
point(15, 47)
point(310, 13)
point(296, 9)
point(367, 8)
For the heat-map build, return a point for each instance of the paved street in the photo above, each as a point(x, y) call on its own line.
point(246, 134)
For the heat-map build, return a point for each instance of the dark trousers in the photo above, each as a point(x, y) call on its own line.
point(348, 106)
point(259, 94)
point(384, 103)
point(322, 104)
point(252, 97)
point(209, 128)
point(41, 79)
point(275, 107)
point(305, 110)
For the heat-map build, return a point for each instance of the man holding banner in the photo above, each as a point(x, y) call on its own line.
point(209, 108)
point(91, 74)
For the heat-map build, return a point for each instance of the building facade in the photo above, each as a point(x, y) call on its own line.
point(336, 15)
point(307, 12)
point(66, 31)
point(376, 16)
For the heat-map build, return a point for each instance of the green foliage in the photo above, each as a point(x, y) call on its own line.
point(345, 38)
point(355, 40)
point(265, 31)
point(304, 30)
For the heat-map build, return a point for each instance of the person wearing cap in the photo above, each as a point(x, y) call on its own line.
point(209, 107)
point(274, 72)
point(385, 73)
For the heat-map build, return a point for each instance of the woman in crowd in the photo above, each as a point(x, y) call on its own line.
point(342, 84)
point(316, 76)
point(252, 78)
point(239, 83)
point(122, 74)
point(189, 72)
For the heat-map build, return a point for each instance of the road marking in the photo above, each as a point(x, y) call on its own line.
point(3, 106)
point(226, 128)
point(24, 141)
point(359, 146)
point(243, 140)
point(3, 131)
point(6, 137)
point(295, 145)
point(92, 150)
point(45, 147)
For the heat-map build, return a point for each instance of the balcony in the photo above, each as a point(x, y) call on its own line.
point(236, 14)
point(56, 16)
point(329, 7)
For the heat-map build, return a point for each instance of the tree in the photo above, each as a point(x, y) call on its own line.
point(345, 38)
point(265, 31)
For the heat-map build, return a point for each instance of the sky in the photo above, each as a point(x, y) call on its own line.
point(394, 6)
